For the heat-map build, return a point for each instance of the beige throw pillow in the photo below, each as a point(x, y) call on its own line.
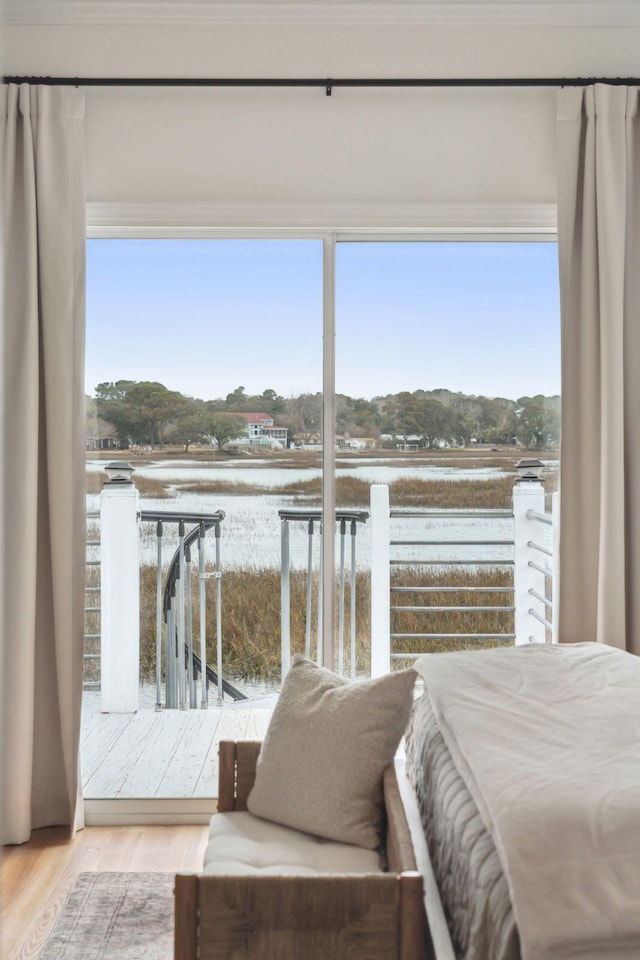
point(329, 740)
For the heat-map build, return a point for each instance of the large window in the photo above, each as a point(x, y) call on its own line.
point(263, 387)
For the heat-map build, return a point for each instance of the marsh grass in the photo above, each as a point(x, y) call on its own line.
point(251, 617)
point(95, 481)
point(354, 492)
point(146, 486)
point(225, 488)
point(475, 462)
point(493, 493)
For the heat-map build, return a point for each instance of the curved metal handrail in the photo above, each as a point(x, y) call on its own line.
point(174, 565)
point(204, 522)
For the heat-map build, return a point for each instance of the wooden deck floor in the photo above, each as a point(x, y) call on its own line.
point(169, 754)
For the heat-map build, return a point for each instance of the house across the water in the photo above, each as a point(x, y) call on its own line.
point(262, 431)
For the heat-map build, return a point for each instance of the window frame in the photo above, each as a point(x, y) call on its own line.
point(461, 223)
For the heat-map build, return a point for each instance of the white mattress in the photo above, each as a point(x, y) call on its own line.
point(472, 884)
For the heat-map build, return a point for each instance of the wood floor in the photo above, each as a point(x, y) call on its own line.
point(169, 754)
point(35, 878)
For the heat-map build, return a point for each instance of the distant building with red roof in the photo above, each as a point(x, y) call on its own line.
point(262, 430)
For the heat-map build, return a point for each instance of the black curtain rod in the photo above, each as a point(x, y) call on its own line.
point(328, 83)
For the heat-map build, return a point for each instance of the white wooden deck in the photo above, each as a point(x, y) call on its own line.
point(170, 754)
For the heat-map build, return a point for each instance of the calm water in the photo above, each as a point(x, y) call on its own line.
point(251, 529)
point(274, 476)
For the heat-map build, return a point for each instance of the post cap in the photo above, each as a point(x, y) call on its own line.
point(119, 472)
point(529, 471)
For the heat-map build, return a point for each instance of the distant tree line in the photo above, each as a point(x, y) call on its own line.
point(148, 413)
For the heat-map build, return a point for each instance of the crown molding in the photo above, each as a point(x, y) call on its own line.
point(357, 219)
point(574, 13)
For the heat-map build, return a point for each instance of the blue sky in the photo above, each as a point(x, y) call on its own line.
point(203, 316)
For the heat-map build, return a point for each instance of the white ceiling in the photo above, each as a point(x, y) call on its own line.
point(543, 12)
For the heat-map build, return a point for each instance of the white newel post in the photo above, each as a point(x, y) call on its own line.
point(528, 495)
point(120, 592)
point(380, 581)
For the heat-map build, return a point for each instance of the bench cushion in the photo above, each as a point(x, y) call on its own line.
point(241, 844)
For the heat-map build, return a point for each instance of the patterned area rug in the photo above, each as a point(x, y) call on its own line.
point(115, 916)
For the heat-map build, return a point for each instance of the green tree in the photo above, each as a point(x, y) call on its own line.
point(271, 402)
point(498, 420)
point(442, 423)
point(237, 398)
point(223, 427)
point(538, 421)
point(367, 417)
point(406, 415)
point(139, 410)
point(304, 416)
point(188, 429)
point(111, 405)
point(95, 426)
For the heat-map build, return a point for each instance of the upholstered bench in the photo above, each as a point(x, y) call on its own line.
point(268, 892)
point(243, 845)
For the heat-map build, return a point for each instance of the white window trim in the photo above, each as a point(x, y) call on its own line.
point(355, 221)
point(330, 224)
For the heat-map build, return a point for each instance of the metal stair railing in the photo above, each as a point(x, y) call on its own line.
point(184, 665)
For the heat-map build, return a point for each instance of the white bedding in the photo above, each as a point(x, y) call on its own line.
point(471, 882)
point(547, 739)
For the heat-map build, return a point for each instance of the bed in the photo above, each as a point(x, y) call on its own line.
point(525, 769)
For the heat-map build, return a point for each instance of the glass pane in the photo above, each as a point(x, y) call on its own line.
point(447, 375)
point(204, 372)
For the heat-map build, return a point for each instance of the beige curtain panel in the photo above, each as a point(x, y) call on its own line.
point(599, 250)
point(43, 196)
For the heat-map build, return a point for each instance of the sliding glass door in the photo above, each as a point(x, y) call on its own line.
point(447, 375)
point(204, 373)
point(324, 435)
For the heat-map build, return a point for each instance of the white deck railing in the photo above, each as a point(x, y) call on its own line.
point(529, 549)
point(531, 552)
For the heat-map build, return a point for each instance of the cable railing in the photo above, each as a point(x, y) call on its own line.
point(433, 547)
point(543, 593)
point(517, 560)
point(92, 633)
point(313, 519)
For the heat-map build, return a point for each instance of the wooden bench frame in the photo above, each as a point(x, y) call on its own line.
point(339, 917)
